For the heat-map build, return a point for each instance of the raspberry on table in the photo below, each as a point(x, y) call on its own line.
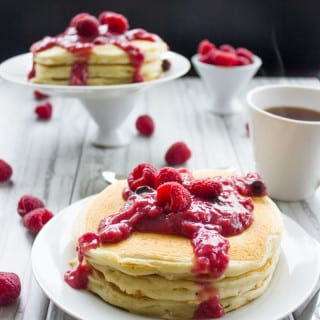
point(88, 27)
point(167, 174)
point(28, 203)
point(173, 197)
point(145, 125)
point(39, 95)
point(142, 175)
point(178, 153)
point(44, 111)
point(5, 171)
point(208, 188)
point(36, 219)
point(10, 288)
point(116, 22)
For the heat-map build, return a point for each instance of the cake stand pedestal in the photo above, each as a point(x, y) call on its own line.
point(109, 114)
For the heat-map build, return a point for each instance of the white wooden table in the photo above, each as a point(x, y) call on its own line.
point(56, 161)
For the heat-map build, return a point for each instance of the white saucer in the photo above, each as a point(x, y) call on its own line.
point(294, 280)
point(109, 106)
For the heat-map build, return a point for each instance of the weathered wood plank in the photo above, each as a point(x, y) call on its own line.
point(44, 157)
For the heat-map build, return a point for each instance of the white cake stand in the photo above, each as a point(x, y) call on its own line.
point(109, 106)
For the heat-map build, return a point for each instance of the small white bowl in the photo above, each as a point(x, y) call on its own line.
point(224, 83)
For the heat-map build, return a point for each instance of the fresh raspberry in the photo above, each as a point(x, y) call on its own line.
point(36, 219)
point(205, 46)
point(28, 203)
point(166, 65)
point(5, 171)
point(207, 188)
point(142, 175)
point(88, 27)
point(145, 125)
point(116, 22)
point(177, 154)
point(243, 61)
point(167, 174)
point(39, 95)
point(227, 48)
point(44, 111)
point(243, 52)
point(78, 17)
point(225, 59)
point(207, 58)
point(10, 288)
point(173, 197)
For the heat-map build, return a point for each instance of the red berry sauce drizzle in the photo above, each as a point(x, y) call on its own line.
point(184, 208)
point(84, 32)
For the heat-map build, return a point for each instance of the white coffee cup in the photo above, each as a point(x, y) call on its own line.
point(286, 151)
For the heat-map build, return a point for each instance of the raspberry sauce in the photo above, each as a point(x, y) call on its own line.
point(81, 47)
point(206, 221)
point(78, 277)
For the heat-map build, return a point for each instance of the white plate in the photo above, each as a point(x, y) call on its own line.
point(294, 280)
point(17, 68)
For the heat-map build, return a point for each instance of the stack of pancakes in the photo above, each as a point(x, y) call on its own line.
point(108, 64)
point(152, 274)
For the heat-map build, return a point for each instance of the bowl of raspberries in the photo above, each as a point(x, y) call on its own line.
point(225, 70)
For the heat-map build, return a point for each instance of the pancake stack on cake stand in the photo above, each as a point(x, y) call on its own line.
point(108, 105)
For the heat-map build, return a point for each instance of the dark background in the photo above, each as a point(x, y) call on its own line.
point(284, 33)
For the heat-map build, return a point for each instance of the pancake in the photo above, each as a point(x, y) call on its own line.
point(168, 308)
point(98, 73)
point(104, 58)
point(160, 288)
point(153, 274)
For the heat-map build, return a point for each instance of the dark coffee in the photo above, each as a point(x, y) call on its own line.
point(295, 113)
